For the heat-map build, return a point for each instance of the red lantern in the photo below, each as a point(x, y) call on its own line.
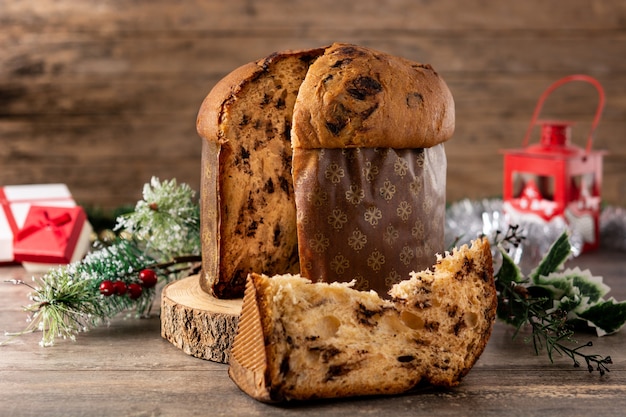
point(555, 178)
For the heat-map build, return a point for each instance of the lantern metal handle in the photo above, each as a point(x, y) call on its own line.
point(554, 86)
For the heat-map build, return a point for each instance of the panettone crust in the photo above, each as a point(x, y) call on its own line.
point(324, 340)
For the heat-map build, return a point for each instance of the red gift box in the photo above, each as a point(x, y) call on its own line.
point(52, 236)
point(15, 201)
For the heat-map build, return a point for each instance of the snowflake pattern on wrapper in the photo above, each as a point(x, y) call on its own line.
point(369, 215)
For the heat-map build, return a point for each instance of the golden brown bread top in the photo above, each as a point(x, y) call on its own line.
point(209, 115)
point(357, 97)
point(352, 96)
point(209, 122)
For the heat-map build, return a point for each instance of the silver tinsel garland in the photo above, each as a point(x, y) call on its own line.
point(467, 219)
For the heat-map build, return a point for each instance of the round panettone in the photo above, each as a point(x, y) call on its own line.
point(343, 96)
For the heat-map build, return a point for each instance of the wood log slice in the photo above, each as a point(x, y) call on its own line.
point(196, 322)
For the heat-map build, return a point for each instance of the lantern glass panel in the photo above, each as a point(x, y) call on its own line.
point(583, 189)
point(527, 182)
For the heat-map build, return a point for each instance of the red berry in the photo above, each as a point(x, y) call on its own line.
point(107, 288)
point(119, 287)
point(148, 278)
point(134, 291)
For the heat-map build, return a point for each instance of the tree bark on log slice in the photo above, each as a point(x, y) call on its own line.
point(198, 323)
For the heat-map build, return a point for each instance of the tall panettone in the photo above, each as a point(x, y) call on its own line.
point(369, 167)
point(321, 162)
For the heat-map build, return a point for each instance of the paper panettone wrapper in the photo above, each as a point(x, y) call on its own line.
point(369, 214)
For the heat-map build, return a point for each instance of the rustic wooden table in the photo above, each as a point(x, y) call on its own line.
point(127, 369)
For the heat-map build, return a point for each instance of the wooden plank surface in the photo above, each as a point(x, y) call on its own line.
point(127, 369)
point(103, 95)
point(119, 15)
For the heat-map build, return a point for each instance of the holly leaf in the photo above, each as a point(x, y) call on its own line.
point(569, 303)
point(574, 284)
point(509, 271)
point(558, 284)
point(589, 285)
point(555, 258)
point(606, 316)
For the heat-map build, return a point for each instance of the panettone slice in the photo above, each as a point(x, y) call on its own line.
point(248, 218)
point(299, 340)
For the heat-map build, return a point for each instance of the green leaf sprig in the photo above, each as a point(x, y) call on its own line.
point(554, 302)
point(167, 220)
point(162, 234)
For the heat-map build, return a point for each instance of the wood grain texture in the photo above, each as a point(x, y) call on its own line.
point(128, 369)
point(103, 95)
point(197, 323)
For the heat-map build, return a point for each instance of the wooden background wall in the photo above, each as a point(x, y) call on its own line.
point(102, 94)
